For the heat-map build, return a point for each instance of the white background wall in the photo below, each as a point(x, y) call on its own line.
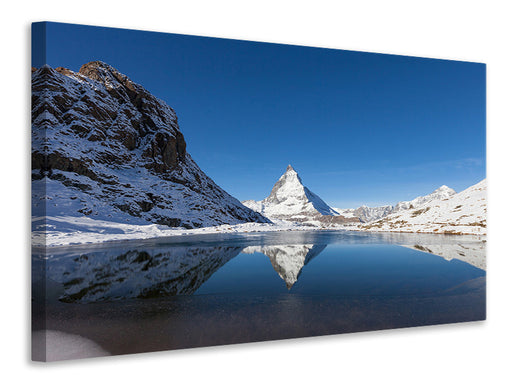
point(462, 30)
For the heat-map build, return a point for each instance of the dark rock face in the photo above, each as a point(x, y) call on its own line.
point(97, 133)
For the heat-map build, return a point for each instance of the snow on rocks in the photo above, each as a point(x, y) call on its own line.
point(51, 231)
point(459, 213)
point(105, 147)
point(290, 200)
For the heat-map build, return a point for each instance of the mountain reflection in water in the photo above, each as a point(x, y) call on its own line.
point(288, 260)
point(154, 295)
point(181, 269)
point(99, 276)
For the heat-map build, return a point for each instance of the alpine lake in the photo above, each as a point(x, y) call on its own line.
point(204, 290)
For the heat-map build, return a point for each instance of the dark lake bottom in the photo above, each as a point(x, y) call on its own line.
point(196, 291)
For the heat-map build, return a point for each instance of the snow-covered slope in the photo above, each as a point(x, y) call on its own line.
point(441, 193)
point(368, 214)
point(460, 213)
point(105, 148)
point(57, 231)
point(290, 200)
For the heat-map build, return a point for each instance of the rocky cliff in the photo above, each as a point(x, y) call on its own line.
point(105, 147)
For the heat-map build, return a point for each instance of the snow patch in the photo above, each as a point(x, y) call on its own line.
point(49, 345)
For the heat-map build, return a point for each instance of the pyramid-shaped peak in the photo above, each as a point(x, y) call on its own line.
point(289, 196)
point(289, 184)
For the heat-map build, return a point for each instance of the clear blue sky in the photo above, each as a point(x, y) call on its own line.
point(360, 128)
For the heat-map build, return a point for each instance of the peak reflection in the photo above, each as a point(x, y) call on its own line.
point(288, 260)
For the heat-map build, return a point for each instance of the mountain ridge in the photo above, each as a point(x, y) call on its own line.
point(441, 211)
point(368, 214)
point(460, 213)
point(105, 147)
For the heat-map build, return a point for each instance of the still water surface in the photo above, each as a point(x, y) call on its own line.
point(204, 290)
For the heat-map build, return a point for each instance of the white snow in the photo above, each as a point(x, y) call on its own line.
point(347, 212)
point(110, 181)
point(69, 208)
point(49, 345)
point(470, 252)
point(291, 200)
point(68, 230)
point(460, 213)
point(365, 213)
point(443, 192)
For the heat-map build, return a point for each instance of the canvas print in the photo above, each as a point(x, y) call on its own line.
point(191, 191)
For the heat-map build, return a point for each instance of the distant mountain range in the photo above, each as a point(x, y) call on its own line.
point(457, 213)
point(450, 212)
point(367, 214)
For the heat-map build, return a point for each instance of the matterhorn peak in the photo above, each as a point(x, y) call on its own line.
point(291, 174)
point(289, 185)
point(290, 199)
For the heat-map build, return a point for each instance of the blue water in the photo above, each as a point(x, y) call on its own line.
point(216, 289)
point(346, 270)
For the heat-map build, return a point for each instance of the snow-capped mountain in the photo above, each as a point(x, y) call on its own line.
point(440, 193)
point(104, 147)
point(290, 200)
point(368, 214)
point(459, 213)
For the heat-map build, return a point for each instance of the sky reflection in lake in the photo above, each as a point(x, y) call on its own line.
point(207, 290)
